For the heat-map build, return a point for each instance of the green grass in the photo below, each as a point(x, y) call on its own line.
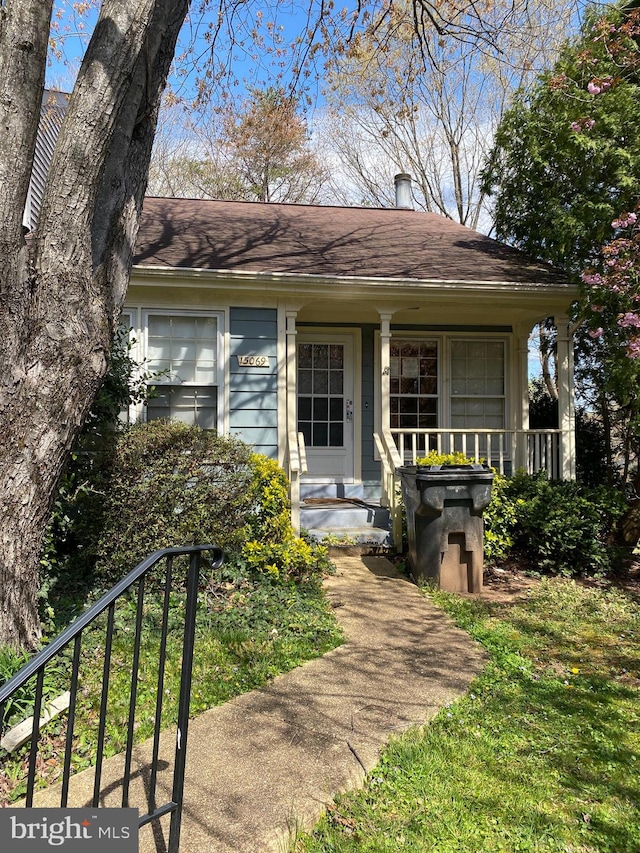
point(248, 631)
point(542, 754)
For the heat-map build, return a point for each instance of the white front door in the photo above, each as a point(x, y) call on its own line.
point(325, 404)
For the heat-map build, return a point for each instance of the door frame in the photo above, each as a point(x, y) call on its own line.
point(328, 334)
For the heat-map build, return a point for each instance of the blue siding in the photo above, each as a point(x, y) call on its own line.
point(253, 398)
point(263, 439)
point(253, 383)
point(243, 418)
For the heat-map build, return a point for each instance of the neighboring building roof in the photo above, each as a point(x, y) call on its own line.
point(52, 110)
point(329, 241)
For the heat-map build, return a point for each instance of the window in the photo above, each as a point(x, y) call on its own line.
point(474, 375)
point(321, 394)
point(183, 349)
point(477, 384)
point(413, 384)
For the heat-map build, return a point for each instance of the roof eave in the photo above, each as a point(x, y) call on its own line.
point(289, 282)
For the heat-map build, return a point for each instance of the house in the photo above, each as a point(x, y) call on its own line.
point(346, 341)
point(343, 342)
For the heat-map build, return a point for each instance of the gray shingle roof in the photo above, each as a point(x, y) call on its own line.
point(331, 241)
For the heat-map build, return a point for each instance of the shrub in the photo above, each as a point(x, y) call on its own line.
point(558, 527)
point(435, 458)
point(270, 516)
point(500, 521)
point(166, 484)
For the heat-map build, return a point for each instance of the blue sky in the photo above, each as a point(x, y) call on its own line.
point(250, 65)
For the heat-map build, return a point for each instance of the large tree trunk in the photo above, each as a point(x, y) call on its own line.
point(61, 294)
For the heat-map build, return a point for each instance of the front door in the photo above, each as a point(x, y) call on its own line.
point(325, 405)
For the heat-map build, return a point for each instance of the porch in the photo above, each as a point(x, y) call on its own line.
point(363, 401)
point(341, 514)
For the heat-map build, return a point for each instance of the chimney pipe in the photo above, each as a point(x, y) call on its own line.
point(404, 199)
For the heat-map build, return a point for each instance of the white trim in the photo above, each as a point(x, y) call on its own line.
point(129, 315)
point(304, 282)
point(222, 351)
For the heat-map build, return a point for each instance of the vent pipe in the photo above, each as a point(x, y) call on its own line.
point(404, 198)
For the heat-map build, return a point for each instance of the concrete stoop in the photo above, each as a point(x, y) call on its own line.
point(346, 519)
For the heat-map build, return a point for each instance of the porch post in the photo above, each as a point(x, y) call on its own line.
point(566, 410)
point(385, 369)
point(292, 425)
point(522, 398)
point(388, 495)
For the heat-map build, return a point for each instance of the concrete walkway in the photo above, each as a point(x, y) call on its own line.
point(264, 765)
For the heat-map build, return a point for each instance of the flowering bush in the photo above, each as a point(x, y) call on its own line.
point(435, 458)
point(612, 287)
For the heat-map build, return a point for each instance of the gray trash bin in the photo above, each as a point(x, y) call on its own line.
point(444, 506)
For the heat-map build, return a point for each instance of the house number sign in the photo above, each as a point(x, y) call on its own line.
point(253, 361)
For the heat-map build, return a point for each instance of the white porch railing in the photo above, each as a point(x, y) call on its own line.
point(390, 494)
point(296, 465)
point(504, 450)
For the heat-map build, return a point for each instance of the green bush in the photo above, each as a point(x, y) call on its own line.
point(500, 522)
point(556, 527)
point(166, 484)
point(435, 458)
point(559, 528)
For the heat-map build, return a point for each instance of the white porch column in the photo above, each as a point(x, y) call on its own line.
point(566, 403)
point(292, 360)
point(292, 423)
point(522, 396)
point(385, 369)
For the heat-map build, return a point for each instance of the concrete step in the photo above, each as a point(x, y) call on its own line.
point(349, 520)
point(353, 491)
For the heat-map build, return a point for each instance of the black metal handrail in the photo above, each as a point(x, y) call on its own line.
point(73, 634)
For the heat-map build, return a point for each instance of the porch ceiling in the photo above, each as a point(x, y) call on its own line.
point(437, 308)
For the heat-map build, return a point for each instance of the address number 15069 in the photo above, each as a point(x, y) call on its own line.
point(253, 361)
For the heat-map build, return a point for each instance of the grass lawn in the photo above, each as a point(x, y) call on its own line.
point(248, 631)
point(542, 754)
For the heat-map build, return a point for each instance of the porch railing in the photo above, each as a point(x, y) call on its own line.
point(296, 465)
point(504, 450)
point(72, 640)
point(390, 459)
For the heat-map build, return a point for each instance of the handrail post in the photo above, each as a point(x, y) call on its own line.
point(566, 415)
point(294, 488)
point(188, 643)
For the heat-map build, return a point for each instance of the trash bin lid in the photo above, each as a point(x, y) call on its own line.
point(454, 473)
